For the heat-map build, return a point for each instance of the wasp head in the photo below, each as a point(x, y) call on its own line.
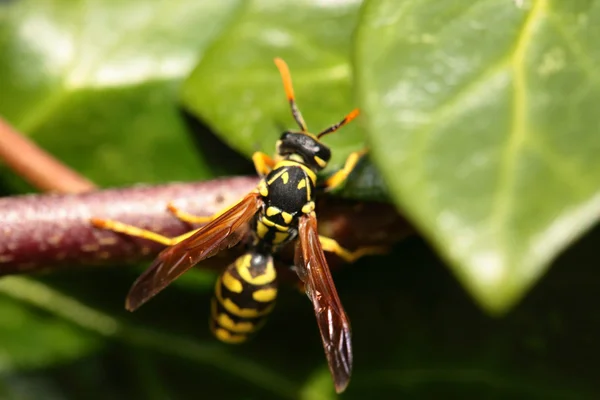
point(304, 148)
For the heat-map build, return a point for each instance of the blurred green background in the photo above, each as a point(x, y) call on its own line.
point(480, 117)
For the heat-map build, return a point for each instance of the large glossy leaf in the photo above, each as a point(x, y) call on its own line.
point(483, 118)
point(94, 82)
point(237, 89)
point(415, 333)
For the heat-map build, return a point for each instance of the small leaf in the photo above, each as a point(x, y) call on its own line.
point(483, 119)
point(237, 89)
point(95, 82)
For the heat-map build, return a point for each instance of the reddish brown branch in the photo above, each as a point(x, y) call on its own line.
point(39, 231)
point(48, 231)
point(36, 166)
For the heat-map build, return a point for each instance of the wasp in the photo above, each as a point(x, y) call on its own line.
point(279, 211)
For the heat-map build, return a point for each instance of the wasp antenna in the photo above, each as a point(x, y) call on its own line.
point(353, 114)
point(289, 92)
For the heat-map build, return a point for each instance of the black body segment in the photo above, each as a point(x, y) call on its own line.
point(290, 188)
point(286, 191)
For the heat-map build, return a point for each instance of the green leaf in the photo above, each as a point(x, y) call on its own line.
point(95, 82)
point(482, 117)
point(23, 328)
point(415, 334)
point(237, 89)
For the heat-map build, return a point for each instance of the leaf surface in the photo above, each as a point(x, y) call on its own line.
point(482, 117)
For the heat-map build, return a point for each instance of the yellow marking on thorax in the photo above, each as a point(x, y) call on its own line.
point(272, 211)
point(308, 207)
point(304, 184)
point(261, 229)
point(285, 177)
point(280, 237)
point(289, 163)
point(308, 192)
point(277, 175)
point(262, 188)
point(232, 284)
point(287, 217)
point(243, 268)
point(272, 224)
point(265, 295)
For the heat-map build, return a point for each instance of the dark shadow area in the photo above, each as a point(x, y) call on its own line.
point(223, 159)
point(11, 184)
point(416, 334)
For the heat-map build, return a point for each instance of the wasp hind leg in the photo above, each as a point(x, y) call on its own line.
point(332, 246)
point(134, 231)
point(340, 176)
point(131, 230)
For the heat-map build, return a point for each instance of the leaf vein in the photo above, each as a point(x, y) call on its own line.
point(520, 122)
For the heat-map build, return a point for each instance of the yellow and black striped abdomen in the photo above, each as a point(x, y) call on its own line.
point(244, 295)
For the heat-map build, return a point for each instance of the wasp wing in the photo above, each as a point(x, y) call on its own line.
point(333, 323)
point(221, 233)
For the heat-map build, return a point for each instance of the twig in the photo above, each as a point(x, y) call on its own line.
point(43, 231)
point(49, 231)
point(37, 166)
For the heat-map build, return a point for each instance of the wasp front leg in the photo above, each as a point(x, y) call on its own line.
point(263, 163)
point(340, 176)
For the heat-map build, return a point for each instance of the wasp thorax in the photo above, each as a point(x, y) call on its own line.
point(304, 148)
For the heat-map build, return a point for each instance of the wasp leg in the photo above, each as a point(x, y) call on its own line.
point(263, 163)
point(333, 246)
point(340, 176)
point(195, 219)
point(131, 230)
point(190, 218)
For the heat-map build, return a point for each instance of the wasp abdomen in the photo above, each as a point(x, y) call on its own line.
point(244, 295)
